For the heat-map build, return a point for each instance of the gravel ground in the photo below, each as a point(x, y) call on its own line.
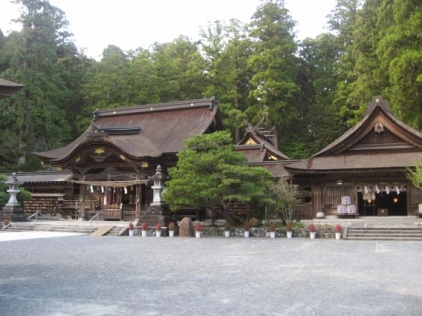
point(84, 275)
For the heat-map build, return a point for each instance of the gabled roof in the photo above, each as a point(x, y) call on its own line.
point(8, 88)
point(378, 141)
point(258, 147)
point(141, 131)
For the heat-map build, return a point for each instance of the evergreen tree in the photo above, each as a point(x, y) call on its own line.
point(342, 21)
point(35, 119)
point(369, 81)
point(209, 173)
point(321, 122)
point(180, 68)
point(105, 85)
point(274, 89)
point(400, 54)
point(227, 49)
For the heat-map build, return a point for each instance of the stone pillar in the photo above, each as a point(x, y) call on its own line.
point(13, 211)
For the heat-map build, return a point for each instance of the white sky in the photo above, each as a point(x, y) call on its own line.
point(130, 24)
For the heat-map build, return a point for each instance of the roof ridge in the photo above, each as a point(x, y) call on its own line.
point(174, 105)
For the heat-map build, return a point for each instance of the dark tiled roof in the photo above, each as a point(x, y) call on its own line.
point(276, 168)
point(361, 161)
point(7, 83)
point(43, 176)
point(162, 129)
point(253, 153)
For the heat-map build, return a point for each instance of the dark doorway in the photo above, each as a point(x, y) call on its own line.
point(384, 204)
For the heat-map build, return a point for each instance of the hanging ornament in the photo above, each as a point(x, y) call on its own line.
point(387, 190)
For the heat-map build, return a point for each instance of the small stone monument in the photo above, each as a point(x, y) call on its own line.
point(13, 211)
point(186, 228)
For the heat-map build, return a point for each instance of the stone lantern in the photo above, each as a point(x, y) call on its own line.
point(158, 187)
point(157, 212)
point(13, 210)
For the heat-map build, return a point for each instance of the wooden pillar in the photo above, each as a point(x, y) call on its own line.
point(82, 204)
point(138, 196)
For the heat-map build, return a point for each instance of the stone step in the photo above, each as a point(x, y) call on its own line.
point(384, 233)
point(385, 238)
point(386, 228)
point(413, 231)
point(68, 229)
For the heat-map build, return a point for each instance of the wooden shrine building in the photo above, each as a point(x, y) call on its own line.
point(368, 163)
point(114, 158)
point(260, 148)
point(8, 88)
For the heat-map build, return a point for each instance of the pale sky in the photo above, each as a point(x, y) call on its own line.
point(130, 24)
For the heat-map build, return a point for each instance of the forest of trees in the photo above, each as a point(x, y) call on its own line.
point(311, 91)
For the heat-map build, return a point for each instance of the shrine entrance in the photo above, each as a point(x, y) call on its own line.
point(382, 203)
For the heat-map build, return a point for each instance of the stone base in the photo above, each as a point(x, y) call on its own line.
point(155, 215)
point(13, 213)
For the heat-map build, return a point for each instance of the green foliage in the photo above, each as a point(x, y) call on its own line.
point(4, 196)
point(320, 121)
point(342, 20)
point(415, 175)
point(180, 67)
point(255, 70)
point(274, 88)
point(285, 198)
point(383, 55)
point(39, 57)
point(210, 174)
point(227, 50)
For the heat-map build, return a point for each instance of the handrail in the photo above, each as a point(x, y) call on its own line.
point(4, 227)
point(95, 216)
point(29, 218)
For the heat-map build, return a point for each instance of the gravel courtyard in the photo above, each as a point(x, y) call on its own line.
point(84, 275)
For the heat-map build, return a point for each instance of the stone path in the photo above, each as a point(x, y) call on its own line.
point(85, 275)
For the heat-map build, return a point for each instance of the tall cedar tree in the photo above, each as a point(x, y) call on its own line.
point(321, 122)
point(227, 49)
point(35, 119)
point(342, 21)
point(400, 54)
point(274, 88)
